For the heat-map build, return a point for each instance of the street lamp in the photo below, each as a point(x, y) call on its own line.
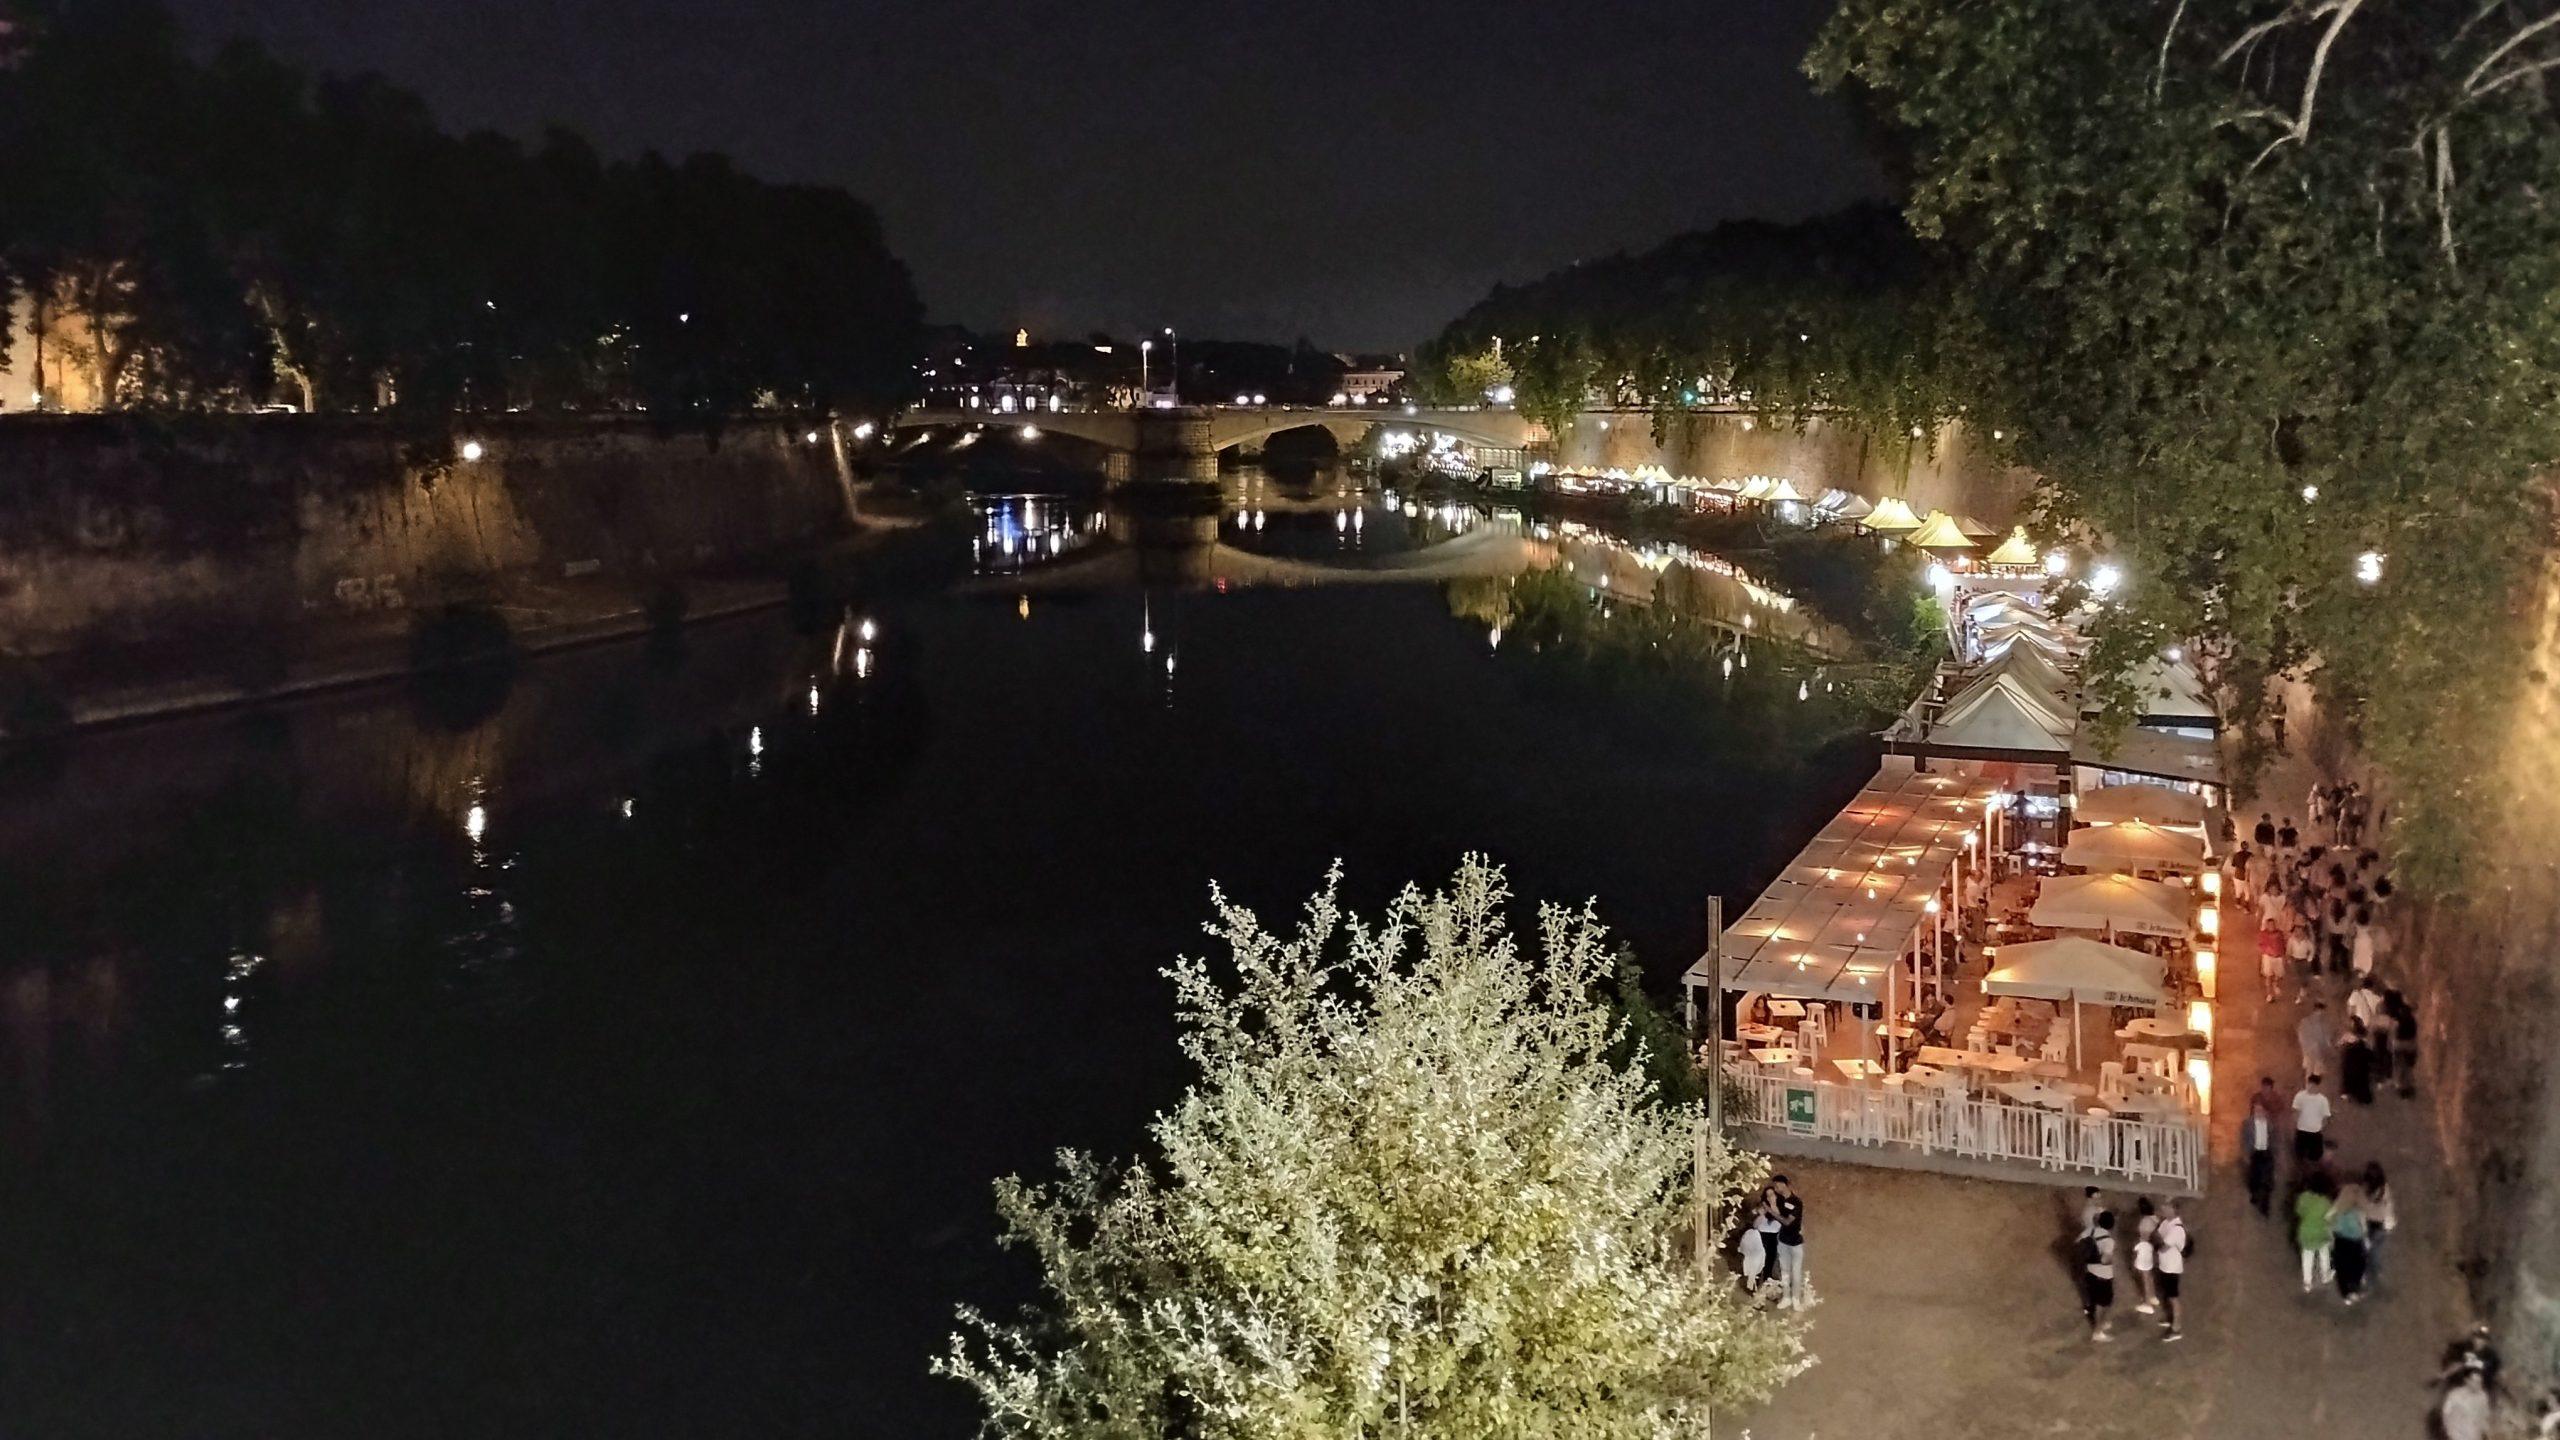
point(1145, 394)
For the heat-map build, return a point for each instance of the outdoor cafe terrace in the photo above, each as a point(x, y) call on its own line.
point(1980, 976)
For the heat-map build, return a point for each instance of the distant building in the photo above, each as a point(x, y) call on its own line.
point(1372, 378)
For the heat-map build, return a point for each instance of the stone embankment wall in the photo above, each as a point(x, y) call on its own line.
point(2482, 966)
point(120, 530)
point(1952, 470)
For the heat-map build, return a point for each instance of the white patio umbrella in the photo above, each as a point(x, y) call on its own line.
point(2133, 846)
point(2076, 968)
point(2117, 903)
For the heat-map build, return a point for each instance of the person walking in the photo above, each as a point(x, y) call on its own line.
point(2270, 961)
point(2381, 1216)
point(2310, 1123)
point(2311, 1232)
point(2170, 1245)
point(2258, 1142)
point(2362, 946)
point(2298, 950)
point(2346, 1243)
point(2318, 1037)
point(2097, 1254)
point(2146, 1221)
point(2288, 839)
point(1789, 1208)
point(2264, 837)
point(2239, 864)
point(2404, 1040)
point(2355, 1065)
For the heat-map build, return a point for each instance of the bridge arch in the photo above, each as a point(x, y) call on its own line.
point(1493, 429)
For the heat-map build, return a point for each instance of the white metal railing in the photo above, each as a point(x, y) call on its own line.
point(2167, 1150)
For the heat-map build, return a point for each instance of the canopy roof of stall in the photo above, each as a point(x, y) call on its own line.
point(2034, 668)
point(2137, 751)
point(1998, 716)
point(1830, 924)
point(2169, 692)
point(2150, 804)
point(2133, 846)
point(2110, 902)
point(1892, 513)
point(1940, 532)
point(2074, 967)
point(2016, 550)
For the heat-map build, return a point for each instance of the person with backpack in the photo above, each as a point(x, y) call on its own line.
point(2097, 1256)
point(2171, 1249)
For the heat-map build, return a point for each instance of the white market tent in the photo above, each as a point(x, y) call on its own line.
point(1892, 515)
point(1997, 640)
point(2075, 967)
point(1978, 529)
point(2170, 692)
point(1940, 532)
point(1846, 505)
point(1856, 897)
point(2016, 551)
point(2035, 669)
point(1782, 489)
point(2110, 903)
point(2001, 712)
point(1756, 489)
point(2133, 846)
point(2149, 804)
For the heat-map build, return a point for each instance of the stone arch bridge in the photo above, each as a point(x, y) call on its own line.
point(1195, 434)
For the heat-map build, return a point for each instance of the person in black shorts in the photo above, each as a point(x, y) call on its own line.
point(2097, 1254)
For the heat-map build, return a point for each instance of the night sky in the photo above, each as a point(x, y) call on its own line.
point(1356, 174)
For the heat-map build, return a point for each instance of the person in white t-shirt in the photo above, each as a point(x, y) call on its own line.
point(2310, 1120)
point(2146, 1220)
point(2169, 1246)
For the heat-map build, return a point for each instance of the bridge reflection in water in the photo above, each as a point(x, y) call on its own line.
point(1255, 534)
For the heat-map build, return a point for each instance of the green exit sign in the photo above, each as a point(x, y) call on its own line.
point(1800, 1107)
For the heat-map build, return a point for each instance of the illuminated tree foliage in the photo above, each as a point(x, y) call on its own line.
point(1409, 1195)
point(213, 233)
point(2218, 259)
point(1838, 315)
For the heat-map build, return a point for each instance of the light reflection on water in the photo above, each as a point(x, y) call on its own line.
point(721, 979)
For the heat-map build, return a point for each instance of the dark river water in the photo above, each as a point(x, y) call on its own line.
point(624, 1047)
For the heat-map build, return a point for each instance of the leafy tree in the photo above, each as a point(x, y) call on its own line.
point(207, 231)
point(1841, 315)
point(2260, 289)
point(1408, 1195)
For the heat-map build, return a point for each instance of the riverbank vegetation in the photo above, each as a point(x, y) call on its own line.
point(2264, 298)
point(228, 233)
point(1409, 1193)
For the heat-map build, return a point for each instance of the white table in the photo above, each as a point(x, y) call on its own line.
point(2036, 1092)
point(1787, 1009)
point(1856, 1069)
point(1975, 1059)
point(2148, 1105)
point(1759, 1034)
point(1774, 1055)
point(2154, 1027)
